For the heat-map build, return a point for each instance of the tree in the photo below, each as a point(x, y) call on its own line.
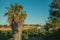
point(16, 17)
point(54, 16)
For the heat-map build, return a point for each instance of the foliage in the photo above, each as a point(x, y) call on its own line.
point(33, 33)
point(16, 16)
point(5, 35)
point(54, 16)
point(53, 35)
point(53, 24)
point(3, 25)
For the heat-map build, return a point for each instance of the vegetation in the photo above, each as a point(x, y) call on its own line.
point(4, 26)
point(26, 34)
point(32, 34)
point(5, 35)
point(16, 16)
point(54, 17)
point(53, 24)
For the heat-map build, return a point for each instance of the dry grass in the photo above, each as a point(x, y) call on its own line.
point(28, 27)
point(24, 28)
point(4, 28)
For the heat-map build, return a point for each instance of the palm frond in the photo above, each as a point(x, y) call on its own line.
point(7, 8)
point(5, 14)
point(12, 5)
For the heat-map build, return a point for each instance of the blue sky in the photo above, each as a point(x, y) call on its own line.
point(37, 10)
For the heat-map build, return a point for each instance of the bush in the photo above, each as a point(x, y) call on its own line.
point(4, 35)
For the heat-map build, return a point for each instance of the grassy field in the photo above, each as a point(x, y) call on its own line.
point(24, 28)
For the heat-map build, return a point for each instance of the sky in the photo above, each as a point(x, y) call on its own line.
point(37, 10)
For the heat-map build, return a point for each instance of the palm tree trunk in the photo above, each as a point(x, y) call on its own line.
point(15, 36)
point(18, 35)
point(20, 27)
point(14, 31)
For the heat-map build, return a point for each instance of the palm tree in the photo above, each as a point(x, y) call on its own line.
point(16, 17)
